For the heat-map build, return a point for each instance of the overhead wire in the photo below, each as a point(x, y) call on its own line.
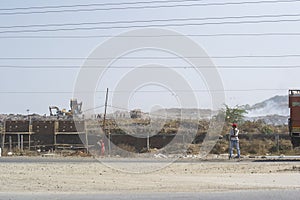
point(145, 91)
point(150, 7)
point(151, 57)
point(151, 26)
point(149, 36)
point(152, 20)
point(150, 67)
point(144, 7)
point(96, 4)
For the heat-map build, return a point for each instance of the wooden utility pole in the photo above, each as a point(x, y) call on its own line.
point(104, 122)
point(105, 108)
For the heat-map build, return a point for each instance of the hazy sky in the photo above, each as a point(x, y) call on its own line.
point(217, 26)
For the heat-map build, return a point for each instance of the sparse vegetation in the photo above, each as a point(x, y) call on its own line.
point(235, 114)
point(256, 137)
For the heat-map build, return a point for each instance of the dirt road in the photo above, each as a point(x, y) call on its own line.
point(88, 177)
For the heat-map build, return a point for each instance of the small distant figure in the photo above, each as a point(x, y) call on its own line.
point(234, 141)
point(102, 146)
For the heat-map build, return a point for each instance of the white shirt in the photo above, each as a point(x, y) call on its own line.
point(234, 134)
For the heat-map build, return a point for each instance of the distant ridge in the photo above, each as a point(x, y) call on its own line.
point(277, 105)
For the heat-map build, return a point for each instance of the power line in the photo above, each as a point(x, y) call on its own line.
point(151, 36)
point(151, 67)
point(205, 90)
point(149, 7)
point(95, 4)
point(150, 57)
point(152, 20)
point(35, 92)
point(150, 26)
point(146, 91)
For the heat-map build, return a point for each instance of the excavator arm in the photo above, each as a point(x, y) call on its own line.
point(54, 108)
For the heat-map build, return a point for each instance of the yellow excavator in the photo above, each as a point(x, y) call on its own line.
point(74, 111)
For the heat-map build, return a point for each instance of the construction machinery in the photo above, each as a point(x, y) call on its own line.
point(136, 114)
point(75, 110)
point(294, 120)
point(75, 107)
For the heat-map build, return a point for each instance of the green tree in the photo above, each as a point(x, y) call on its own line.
point(235, 114)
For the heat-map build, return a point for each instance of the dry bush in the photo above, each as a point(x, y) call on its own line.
point(296, 151)
point(124, 150)
point(285, 147)
point(176, 148)
point(222, 146)
point(193, 149)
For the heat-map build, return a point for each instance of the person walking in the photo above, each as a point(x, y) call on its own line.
point(102, 148)
point(234, 141)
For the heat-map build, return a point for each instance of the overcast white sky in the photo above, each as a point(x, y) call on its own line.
point(47, 84)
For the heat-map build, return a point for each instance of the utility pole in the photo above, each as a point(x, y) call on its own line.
point(104, 122)
point(105, 108)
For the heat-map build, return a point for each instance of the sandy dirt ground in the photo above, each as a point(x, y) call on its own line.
point(194, 176)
